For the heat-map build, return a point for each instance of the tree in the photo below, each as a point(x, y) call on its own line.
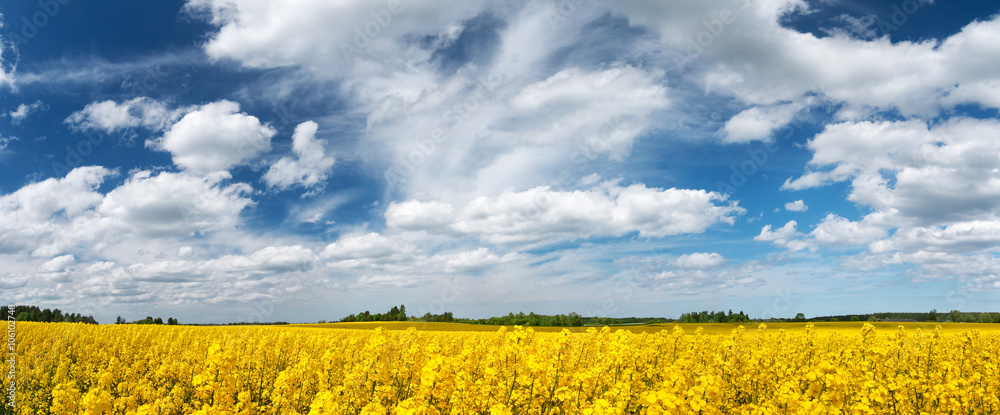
point(799, 317)
point(120, 320)
point(933, 315)
point(855, 318)
point(872, 318)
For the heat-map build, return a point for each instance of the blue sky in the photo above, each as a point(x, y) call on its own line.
point(256, 160)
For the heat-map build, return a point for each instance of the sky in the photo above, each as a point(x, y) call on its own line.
point(267, 160)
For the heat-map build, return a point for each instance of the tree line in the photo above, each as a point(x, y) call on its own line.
point(511, 319)
point(33, 313)
point(395, 314)
point(953, 316)
point(695, 317)
point(148, 320)
point(714, 317)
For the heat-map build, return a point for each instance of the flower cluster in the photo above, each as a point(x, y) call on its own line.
point(128, 369)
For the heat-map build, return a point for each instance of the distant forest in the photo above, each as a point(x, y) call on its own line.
point(33, 313)
point(953, 316)
point(398, 313)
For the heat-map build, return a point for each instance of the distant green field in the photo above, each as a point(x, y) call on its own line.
point(709, 328)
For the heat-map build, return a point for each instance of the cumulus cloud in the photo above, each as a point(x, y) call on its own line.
point(174, 204)
point(939, 175)
point(319, 34)
point(960, 237)
point(225, 279)
point(419, 215)
point(214, 137)
point(54, 216)
point(796, 206)
point(786, 236)
point(57, 264)
point(309, 168)
point(27, 214)
point(759, 61)
point(541, 214)
point(110, 116)
point(758, 123)
point(834, 230)
point(367, 246)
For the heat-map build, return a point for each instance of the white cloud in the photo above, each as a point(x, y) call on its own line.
point(418, 215)
point(473, 260)
point(174, 204)
point(56, 216)
point(214, 137)
point(766, 62)
point(786, 236)
point(758, 123)
point(264, 274)
point(376, 259)
point(796, 206)
point(23, 110)
point(482, 132)
point(699, 260)
point(368, 246)
point(110, 116)
point(834, 230)
point(961, 237)
point(7, 70)
point(311, 165)
point(542, 214)
point(950, 172)
point(448, 132)
point(863, 27)
point(319, 34)
point(697, 274)
point(5, 141)
point(601, 111)
point(29, 217)
point(57, 264)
